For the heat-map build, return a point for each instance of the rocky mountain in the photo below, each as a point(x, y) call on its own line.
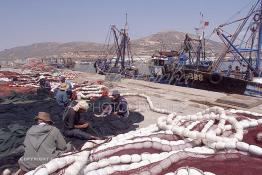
point(50, 49)
point(170, 40)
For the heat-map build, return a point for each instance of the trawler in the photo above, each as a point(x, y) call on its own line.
point(237, 70)
point(118, 57)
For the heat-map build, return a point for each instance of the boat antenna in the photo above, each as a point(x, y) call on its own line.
point(126, 25)
point(203, 24)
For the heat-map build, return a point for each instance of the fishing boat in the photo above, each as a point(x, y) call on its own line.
point(160, 67)
point(237, 70)
point(118, 58)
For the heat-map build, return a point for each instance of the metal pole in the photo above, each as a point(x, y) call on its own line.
point(118, 47)
point(258, 60)
point(204, 45)
point(236, 50)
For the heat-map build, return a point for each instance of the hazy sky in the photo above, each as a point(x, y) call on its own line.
point(25, 22)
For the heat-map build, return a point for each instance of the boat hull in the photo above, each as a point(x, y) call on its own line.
point(215, 82)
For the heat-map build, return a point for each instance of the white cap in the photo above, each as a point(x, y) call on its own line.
point(82, 104)
point(41, 77)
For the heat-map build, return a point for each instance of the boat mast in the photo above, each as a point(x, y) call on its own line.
point(121, 43)
point(230, 40)
point(258, 60)
point(124, 43)
point(203, 23)
point(114, 29)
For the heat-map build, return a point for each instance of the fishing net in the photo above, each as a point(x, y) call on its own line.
point(223, 164)
point(17, 113)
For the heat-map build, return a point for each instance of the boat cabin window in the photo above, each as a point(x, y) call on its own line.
point(156, 62)
point(160, 62)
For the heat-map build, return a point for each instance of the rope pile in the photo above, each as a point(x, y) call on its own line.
point(159, 147)
point(37, 65)
point(88, 91)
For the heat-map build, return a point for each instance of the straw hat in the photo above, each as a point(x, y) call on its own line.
point(44, 116)
point(63, 86)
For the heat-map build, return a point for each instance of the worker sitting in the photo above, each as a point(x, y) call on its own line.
point(43, 142)
point(228, 73)
point(120, 105)
point(120, 112)
point(110, 115)
point(61, 95)
point(69, 86)
point(73, 125)
point(101, 106)
point(45, 86)
point(237, 72)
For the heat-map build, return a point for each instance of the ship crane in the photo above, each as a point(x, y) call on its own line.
point(246, 50)
point(122, 51)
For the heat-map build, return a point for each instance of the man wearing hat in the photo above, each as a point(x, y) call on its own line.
point(120, 112)
point(43, 142)
point(68, 85)
point(61, 95)
point(120, 105)
point(45, 86)
point(73, 125)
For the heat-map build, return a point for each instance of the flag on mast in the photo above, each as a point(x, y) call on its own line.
point(203, 23)
point(206, 23)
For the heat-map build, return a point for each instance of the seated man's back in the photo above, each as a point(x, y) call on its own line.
point(61, 95)
point(43, 142)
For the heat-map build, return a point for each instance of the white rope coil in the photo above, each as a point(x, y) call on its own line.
point(215, 137)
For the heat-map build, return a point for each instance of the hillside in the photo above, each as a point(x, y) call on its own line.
point(170, 40)
point(50, 49)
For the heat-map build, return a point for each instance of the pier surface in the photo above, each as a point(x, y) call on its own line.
point(181, 100)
